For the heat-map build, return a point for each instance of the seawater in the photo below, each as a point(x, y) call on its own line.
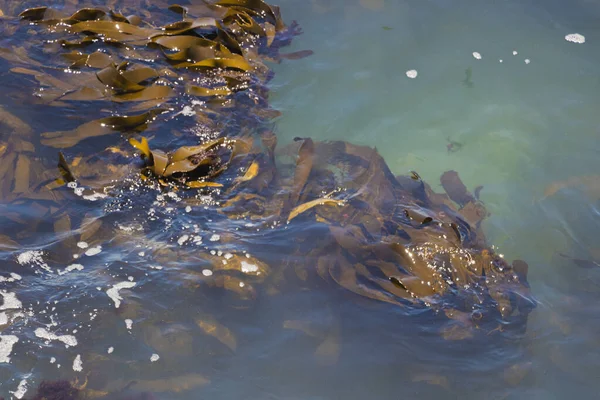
point(528, 119)
point(522, 120)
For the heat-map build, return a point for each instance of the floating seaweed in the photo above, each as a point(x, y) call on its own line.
point(348, 220)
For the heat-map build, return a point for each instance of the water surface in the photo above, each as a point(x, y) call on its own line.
point(520, 122)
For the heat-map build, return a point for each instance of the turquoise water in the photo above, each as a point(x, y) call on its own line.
point(522, 126)
point(518, 127)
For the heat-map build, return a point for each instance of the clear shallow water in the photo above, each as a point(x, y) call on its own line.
point(522, 126)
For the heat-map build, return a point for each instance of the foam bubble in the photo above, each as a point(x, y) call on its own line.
point(21, 389)
point(247, 267)
point(113, 292)
point(68, 340)
point(77, 364)
point(93, 251)
point(154, 357)
point(207, 272)
point(575, 38)
point(6, 344)
point(72, 267)
point(33, 257)
point(412, 73)
point(477, 55)
point(10, 301)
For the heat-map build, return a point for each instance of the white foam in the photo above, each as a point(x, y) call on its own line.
point(128, 324)
point(52, 360)
point(575, 38)
point(10, 301)
point(477, 55)
point(33, 257)
point(515, 53)
point(207, 272)
point(182, 240)
point(111, 349)
point(188, 209)
point(21, 389)
point(154, 357)
point(6, 344)
point(77, 364)
point(3, 318)
point(93, 251)
point(527, 61)
point(215, 238)
point(113, 292)
point(68, 340)
point(72, 267)
point(412, 73)
point(188, 111)
point(13, 277)
point(95, 196)
point(247, 267)
point(83, 245)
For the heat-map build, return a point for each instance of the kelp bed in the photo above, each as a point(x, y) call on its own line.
point(216, 205)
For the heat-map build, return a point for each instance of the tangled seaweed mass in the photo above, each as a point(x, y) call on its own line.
point(344, 216)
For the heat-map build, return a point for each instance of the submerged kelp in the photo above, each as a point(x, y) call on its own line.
point(217, 206)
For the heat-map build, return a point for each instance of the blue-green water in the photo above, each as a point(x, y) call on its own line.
point(520, 126)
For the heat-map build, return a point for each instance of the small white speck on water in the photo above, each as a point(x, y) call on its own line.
point(154, 357)
point(6, 344)
point(476, 55)
point(130, 278)
point(68, 340)
point(248, 268)
point(188, 111)
point(501, 60)
point(141, 254)
point(110, 350)
point(215, 238)
point(412, 74)
point(128, 324)
point(21, 389)
point(527, 61)
point(242, 284)
point(52, 360)
point(82, 245)
point(77, 364)
point(113, 292)
point(188, 209)
point(575, 38)
point(33, 257)
point(10, 301)
point(207, 272)
point(182, 240)
point(72, 267)
point(93, 251)
point(515, 53)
